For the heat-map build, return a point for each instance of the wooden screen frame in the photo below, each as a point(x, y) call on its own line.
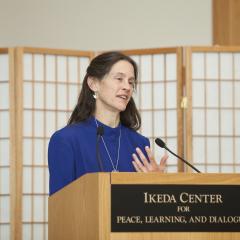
point(12, 140)
point(19, 54)
point(179, 56)
point(189, 51)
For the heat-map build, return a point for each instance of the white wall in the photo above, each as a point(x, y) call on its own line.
point(105, 24)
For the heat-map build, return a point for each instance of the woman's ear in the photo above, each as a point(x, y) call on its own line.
point(92, 83)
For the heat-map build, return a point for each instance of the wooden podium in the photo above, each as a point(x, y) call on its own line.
point(82, 210)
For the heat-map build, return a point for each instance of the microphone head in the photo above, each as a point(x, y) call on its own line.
point(160, 142)
point(100, 130)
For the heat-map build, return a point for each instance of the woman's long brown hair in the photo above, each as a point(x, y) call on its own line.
point(98, 68)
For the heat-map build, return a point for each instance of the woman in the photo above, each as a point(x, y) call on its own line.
point(105, 102)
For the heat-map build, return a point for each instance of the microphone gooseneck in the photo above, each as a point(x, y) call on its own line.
point(100, 132)
point(162, 144)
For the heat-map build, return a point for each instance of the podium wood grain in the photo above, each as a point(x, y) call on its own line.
point(82, 211)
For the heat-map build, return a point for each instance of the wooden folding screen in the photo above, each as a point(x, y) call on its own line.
point(48, 82)
point(39, 88)
point(158, 98)
point(213, 113)
point(7, 144)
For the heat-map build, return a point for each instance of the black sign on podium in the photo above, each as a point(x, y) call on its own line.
point(175, 208)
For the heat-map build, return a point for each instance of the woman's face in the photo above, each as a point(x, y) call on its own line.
point(115, 89)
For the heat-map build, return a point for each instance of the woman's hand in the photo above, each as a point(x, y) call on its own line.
point(148, 166)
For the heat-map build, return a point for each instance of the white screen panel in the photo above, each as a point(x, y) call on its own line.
point(73, 69)
point(227, 169)
point(27, 94)
point(226, 150)
point(27, 208)
point(5, 231)
point(172, 169)
point(159, 95)
point(5, 209)
point(226, 94)
point(50, 92)
point(237, 121)
point(146, 96)
point(237, 149)
point(237, 66)
point(50, 68)
point(146, 123)
point(159, 123)
point(198, 118)
point(26, 232)
point(172, 144)
point(212, 94)
point(38, 211)
point(158, 153)
point(226, 66)
point(50, 96)
point(38, 180)
point(197, 66)
point(27, 67)
point(27, 180)
point(61, 69)
point(4, 180)
point(46, 183)
point(4, 124)
point(39, 95)
point(198, 150)
point(39, 152)
point(38, 67)
point(212, 66)
point(61, 120)
point(73, 96)
point(219, 98)
point(4, 152)
point(171, 67)
point(237, 94)
point(198, 96)
point(27, 123)
point(4, 69)
point(158, 67)
point(27, 151)
point(5, 141)
point(212, 150)
point(226, 122)
point(38, 123)
point(212, 122)
point(38, 232)
point(50, 123)
point(84, 62)
point(213, 169)
point(171, 123)
point(146, 68)
point(62, 96)
point(136, 96)
point(4, 95)
point(171, 94)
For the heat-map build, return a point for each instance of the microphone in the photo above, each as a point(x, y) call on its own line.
point(162, 144)
point(100, 132)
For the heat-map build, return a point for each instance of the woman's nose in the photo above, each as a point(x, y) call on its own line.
point(127, 85)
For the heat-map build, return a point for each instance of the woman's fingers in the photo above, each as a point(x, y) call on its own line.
point(143, 158)
point(142, 164)
point(136, 167)
point(151, 157)
point(163, 162)
point(138, 164)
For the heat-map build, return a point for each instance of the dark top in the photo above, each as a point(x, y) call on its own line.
point(72, 151)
